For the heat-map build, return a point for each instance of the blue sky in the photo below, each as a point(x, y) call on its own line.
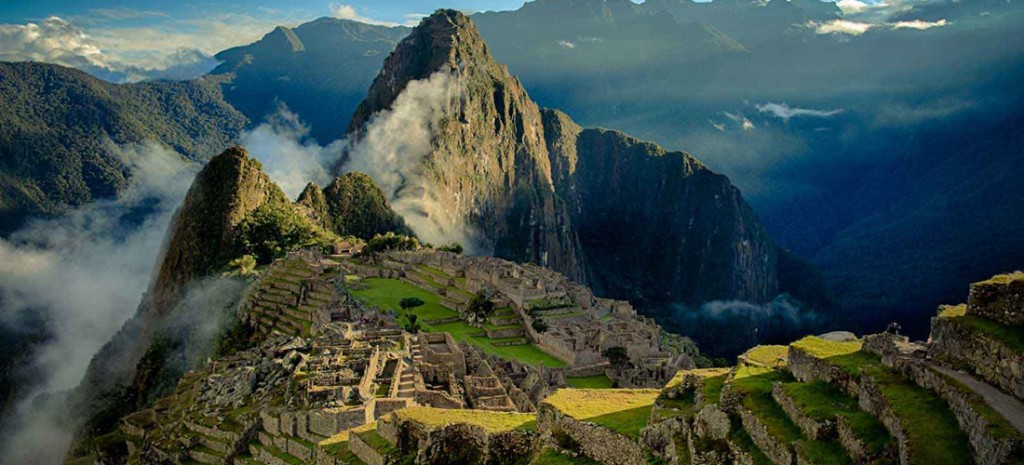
point(383, 10)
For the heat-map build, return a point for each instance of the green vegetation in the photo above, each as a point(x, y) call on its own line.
point(387, 242)
point(617, 355)
point(933, 432)
point(745, 443)
point(823, 452)
point(766, 356)
point(548, 456)
point(590, 382)
point(274, 228)
point(625, 411)
point(454, 247)
point(57, 123)
point(821, 348)
point(712, 389)
point(1010, 336)
point(822, 402)
point(493, 422)
point(355, 206)
point(386, 293)
point(410, 303)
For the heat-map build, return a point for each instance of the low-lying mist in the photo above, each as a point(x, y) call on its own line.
point(82, 275)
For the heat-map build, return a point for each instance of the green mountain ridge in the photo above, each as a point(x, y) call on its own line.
point(60, 128)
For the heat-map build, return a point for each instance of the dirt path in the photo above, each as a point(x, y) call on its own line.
point(1008, 406)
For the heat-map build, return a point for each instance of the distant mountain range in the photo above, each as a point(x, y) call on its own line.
point(833, 138)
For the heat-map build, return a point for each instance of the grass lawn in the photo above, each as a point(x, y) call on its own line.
point(386, 293)
point(590, 382)
point(712, 389)
point(493, 422)
point(622, 410)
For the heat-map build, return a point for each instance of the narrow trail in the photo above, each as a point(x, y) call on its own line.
point(1008, 406)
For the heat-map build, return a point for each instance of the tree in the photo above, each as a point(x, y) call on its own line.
point(481, 307)
point(388, 242)
point(410, 302)
point(454, 247)
point(539, 325)
point(412, 325)
point(616, 355)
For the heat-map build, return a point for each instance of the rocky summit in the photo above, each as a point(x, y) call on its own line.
point(625, 216)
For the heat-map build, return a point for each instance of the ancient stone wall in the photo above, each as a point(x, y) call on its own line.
point(1000, 298)
point(599, 443)
point(778, 452)
point(988, 449)
point(966, 348)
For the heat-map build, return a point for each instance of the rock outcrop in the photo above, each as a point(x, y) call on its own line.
point(488, 165)
point(623, 215)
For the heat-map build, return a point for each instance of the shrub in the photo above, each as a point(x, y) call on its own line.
point(481, 307)
point(539, 325)
point(616, 355)
point(410, 302)
point(454, 247)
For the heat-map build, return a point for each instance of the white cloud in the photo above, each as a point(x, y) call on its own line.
point(852, 6)
point(744, 123)
point(55, 40)
point(392, 150)
point(567, 44)
point(918, 24)
point(288, 156)
point(343, 11)
point(840, 26)
point(785, 112)
point(84, 273)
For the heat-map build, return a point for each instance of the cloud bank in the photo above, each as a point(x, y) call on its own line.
point(288, 155)
point(84, 274)
point(392, 151)
point(55, 40)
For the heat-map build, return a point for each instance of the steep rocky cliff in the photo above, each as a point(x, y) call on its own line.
point(487, 165)
point(658, 226)
point(232, 209)
point(631, 219)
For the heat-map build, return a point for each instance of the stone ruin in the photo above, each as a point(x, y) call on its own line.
point(580, 326)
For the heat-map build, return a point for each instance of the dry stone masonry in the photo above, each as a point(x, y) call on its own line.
point(340, 383)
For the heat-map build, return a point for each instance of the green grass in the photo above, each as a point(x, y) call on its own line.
point(590, 382)
point(768, 356)
point(387, 293)
point(822, 348)
point(548, 456)
point(934, 435)
point(337, 446)
point(823, 453)
point(493, 422)
point(823, 402)
point(1010, 336)
point(712, 389)
point(376, 441)
point(743, 441)
point(625, 411)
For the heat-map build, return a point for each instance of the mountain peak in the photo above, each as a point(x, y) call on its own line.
point(445, 40)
